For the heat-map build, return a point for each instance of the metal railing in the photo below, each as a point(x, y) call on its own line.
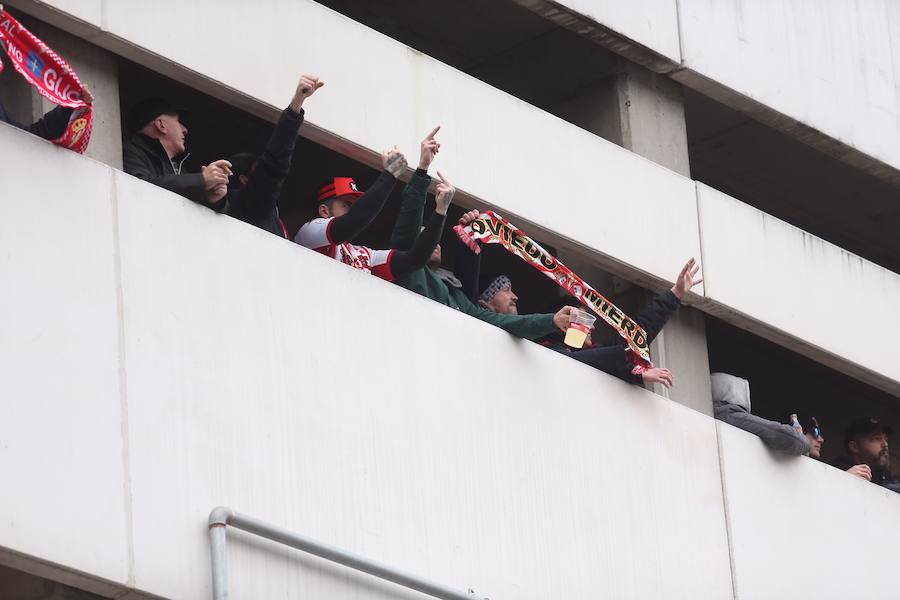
point(220, 518)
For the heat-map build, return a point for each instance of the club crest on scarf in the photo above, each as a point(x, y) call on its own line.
point(53, 78)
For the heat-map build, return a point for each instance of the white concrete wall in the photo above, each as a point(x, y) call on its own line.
point(802, 529)
point(799, 284)
point(369, 417)
point(829, 64)
point(61, 461)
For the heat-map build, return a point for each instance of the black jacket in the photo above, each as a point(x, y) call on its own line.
point(257, 202)
point(145, 158)
point(880, 475)
point(612, 358)
point(50, 126)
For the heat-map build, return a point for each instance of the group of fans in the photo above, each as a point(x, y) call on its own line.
point(247, 186)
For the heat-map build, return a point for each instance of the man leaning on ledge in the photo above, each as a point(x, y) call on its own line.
point(156, 151)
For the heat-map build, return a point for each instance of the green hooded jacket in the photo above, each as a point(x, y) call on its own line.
point(427, 283)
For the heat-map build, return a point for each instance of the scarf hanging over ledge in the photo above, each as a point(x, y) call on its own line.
point(53, 78)
point(491, 228)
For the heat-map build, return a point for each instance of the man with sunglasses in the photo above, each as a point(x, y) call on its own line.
point(813, 432)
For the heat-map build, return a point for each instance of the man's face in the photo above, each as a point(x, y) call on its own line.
point(872, 449)
point(173, 131)
point(815, 444)
point(434, 261)
point(505, 302)
point(337, 207)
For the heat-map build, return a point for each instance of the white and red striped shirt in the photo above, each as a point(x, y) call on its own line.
point(316, 235)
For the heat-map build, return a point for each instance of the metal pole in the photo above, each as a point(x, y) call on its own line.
point(348, 559)
point(218, 519)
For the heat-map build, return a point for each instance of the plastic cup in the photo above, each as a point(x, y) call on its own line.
point(580, 325)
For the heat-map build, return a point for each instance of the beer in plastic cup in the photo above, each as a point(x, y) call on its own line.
point(580, 325)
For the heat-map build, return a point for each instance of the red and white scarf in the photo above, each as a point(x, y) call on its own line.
point(491, 228)
point(52, 76)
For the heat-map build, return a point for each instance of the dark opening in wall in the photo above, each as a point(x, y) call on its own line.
point(19, 585)
point(784, 382)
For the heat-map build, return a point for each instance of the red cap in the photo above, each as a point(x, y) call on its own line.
point(342, 186)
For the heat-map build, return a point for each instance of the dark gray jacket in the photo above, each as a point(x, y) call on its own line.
point(731, 404)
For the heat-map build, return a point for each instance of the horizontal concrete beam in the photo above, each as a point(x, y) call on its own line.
point(831, 305)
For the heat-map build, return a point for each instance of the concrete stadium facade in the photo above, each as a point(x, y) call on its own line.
point(161, 360)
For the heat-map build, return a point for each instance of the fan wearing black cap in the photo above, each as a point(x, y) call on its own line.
point(344, 212)
point(156, 152)
point(866, 442)
point(255, 185)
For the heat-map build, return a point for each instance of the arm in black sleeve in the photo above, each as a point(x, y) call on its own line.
point(654, 317)
point(467, 268)
point(260, 196)
point(364, 210)
point(404, 262)
point(189, 185)
point(53, 124)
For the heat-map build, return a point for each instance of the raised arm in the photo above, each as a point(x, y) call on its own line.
point(367, 206)
point(404, 262)
point(412, 207)
point(654, 317)
point(260, 196)
point(467, 264)
point(777, 436)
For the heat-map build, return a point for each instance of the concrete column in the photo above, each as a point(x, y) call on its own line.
point(98, 69)
point(644, 112)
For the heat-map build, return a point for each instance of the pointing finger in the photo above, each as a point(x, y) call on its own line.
point(433, 132)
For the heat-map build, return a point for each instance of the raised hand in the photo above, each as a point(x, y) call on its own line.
point(429, 148)
point(468, 217)
point(306, 88)
point(393, 161)
point(216, 173)
point(444, 195)
point(86, 94)
point(658, 375)
point(685, 280)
